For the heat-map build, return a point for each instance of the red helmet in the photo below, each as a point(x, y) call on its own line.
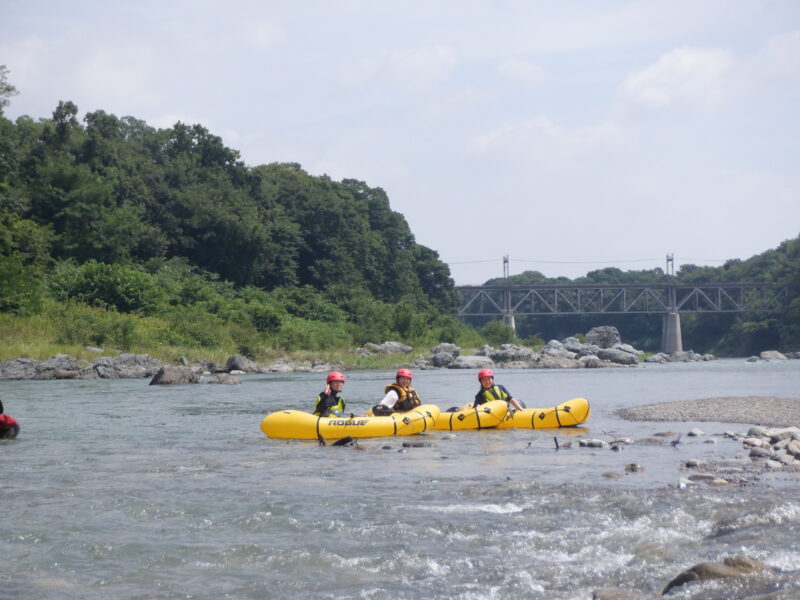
point(335, 376)
point(403, 373)
point(485, 373)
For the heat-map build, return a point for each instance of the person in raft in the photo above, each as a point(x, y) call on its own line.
point(9, 428)
point(328, 402)
point(400, 396)
point(491, 391)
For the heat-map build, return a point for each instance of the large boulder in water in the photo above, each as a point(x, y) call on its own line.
point(20, 368)
point(394, 348)
point(617, 356)
point(174, 375)
point(126, 366)
point(447, 348)
point(237, 362)
point(604, 336)
point(733, 566)
point(472, 362)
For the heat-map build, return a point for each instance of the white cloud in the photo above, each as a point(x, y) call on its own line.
point(422, 66)
point(517, 69)
point(265, 35)
point(684, 76)
point(781, 54)
point(413, 68)
point(121, 77)
point(543, 142)
point(776, 64)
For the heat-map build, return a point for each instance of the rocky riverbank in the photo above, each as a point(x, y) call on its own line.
point(602, 348)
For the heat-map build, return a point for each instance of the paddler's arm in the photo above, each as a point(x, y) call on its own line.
point(515, 403)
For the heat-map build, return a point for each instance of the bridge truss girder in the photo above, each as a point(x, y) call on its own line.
point(619, 299)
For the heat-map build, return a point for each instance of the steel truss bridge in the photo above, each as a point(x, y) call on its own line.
point(667, 299)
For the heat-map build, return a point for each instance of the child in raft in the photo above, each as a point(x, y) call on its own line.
point(491, 391)
point(400, 395)
point(328, 402)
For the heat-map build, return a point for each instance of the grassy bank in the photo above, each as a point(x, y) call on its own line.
point(69, 327)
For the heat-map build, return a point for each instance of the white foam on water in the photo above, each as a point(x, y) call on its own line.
point(497, 509)
point(785, 560)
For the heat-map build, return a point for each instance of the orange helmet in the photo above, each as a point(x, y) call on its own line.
point(485, 373)
point(335, 376)
point(403, 373)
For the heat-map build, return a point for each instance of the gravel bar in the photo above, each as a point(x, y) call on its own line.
point(753, 410)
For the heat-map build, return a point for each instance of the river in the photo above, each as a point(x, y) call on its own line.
point(117, 489)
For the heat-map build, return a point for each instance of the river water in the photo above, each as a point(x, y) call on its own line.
point(117, 489)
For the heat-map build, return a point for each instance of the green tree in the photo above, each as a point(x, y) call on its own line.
point(6, 89)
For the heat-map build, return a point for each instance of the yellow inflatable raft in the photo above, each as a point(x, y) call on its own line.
point(567, 414)
point(485, 416)
point(299, 425)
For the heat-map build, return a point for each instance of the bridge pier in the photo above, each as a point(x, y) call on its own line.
point(509, 321)
point(671, 340)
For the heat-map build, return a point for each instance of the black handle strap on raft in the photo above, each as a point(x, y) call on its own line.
point(425, 419)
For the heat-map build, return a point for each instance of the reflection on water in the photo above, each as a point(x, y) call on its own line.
point(118, 489)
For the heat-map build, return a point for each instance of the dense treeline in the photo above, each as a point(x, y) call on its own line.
point(725, 334)
point(110, 214)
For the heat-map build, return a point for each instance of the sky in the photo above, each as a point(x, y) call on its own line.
point(569, 136)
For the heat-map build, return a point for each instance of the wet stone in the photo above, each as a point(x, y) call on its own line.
point(702, 477)
point(593, 443)
point(718, 482)
point(761, 452)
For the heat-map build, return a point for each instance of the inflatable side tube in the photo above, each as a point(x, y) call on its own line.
point(299, 425)
point(567, 414)
point(485, 416)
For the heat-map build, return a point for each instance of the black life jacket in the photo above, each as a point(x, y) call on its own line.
point(407, 397)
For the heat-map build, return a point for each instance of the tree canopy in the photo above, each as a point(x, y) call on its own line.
point(105, 193)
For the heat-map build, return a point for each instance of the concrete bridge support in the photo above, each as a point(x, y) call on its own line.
point(671, 340)
point(509, 321)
